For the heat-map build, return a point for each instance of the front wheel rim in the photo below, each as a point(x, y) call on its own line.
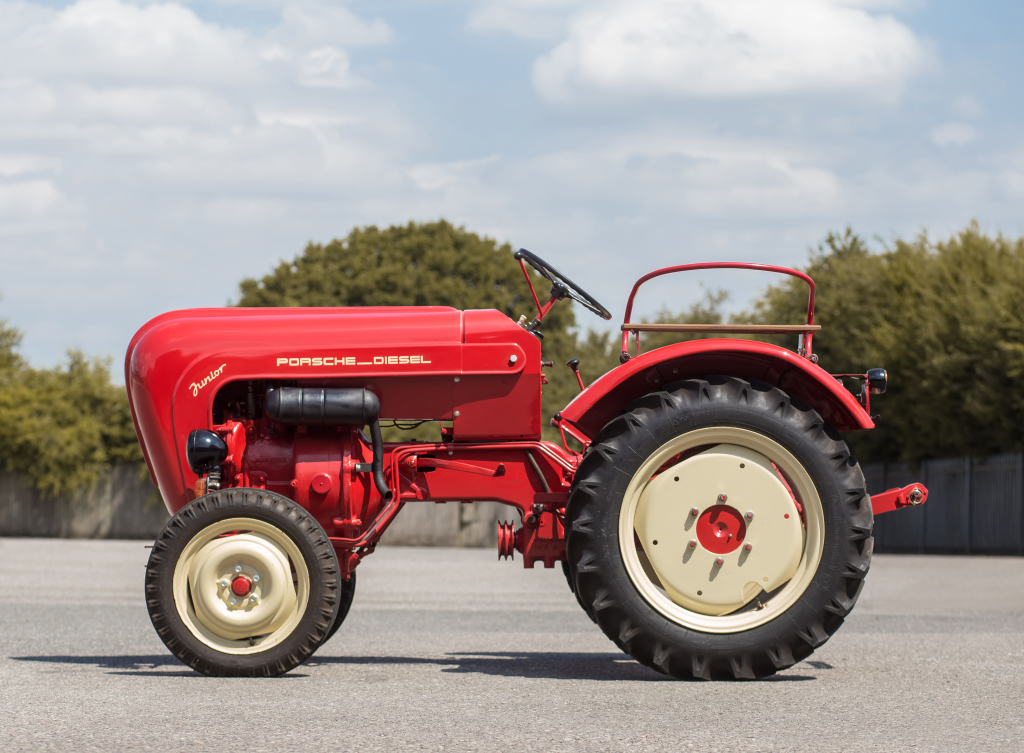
point(682, 611)
point(241, 586)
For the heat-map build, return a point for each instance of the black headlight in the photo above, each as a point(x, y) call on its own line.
point(204, 450)
point(877, 379)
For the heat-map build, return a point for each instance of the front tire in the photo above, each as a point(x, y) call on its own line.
point(688, 584)
point(348, 592)
point(242, 583)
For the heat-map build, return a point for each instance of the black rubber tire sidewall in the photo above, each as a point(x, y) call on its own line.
point(595, 562)
point(348, 592)
point(312, 542)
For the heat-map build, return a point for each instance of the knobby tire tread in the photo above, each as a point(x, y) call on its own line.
point(305, 532)
point(599, 579)
point(345, 597)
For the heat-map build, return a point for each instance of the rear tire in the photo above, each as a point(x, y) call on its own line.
point(651, 618)
point(242, 583)
point(570, 579)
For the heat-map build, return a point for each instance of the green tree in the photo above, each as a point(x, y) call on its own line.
point(946, 319)
point(422, 264)
point(850, 302)
point(62, 427)
point(705, 311)
point(10, 339)
point(599, 351)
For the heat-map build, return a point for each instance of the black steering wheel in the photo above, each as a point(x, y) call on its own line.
point(562, 285)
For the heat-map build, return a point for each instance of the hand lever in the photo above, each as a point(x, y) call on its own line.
point(574, 364)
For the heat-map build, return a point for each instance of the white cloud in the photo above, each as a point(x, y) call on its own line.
point(188, 100)
point(150, 104)
point(758, 183)
point(684, 175)
point(953, 134)
point(529, 19)
point(335, 23)
point(127, 42)
point(433, 177)
point(29, 197)
point(23, 100)
point(1012, 183)
point(967, 107)
point(629, 49)
point(303, 118)
point(1010, 179)
point(705, 176)
point(274, 53)
point(20, 164)
point(326, 66)
point(15, 16)
point(244, 211)
point(168, 43)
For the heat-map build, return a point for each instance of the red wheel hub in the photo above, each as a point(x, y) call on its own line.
point(721, 529)
point(241, 586)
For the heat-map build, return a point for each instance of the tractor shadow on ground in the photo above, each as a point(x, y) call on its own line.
point(531, 665)
point(527, 664)
point(132, 666)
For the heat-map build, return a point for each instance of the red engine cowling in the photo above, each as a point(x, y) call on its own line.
point(476, 369)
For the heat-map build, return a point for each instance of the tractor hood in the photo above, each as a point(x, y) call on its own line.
point(408, 356)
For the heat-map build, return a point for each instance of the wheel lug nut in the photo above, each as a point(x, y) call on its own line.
point(223, 584)
point(234, 601)
point(693, 543)
point(723, 497)
point(750, 515)
point(256, 578)
point(719, 562)
point(694, 511)
point(238, 568)
point(253, 598)
point(748, 547)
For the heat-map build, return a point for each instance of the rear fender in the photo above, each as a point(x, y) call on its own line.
point(746, 359)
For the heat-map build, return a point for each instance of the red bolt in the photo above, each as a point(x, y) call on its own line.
point(748, 546)
point(719, 561)
point(693, 543)
point(694, 511)
point(722, 497)
point(241, 586)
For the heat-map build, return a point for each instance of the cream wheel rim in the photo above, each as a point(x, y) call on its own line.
point(745, 587)
point(265, 562)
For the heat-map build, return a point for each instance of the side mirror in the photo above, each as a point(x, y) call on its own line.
point(877, 379)
point(204, 450)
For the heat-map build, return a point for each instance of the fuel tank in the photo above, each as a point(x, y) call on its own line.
point(477, 369)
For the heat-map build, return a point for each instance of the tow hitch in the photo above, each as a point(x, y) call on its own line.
point(895, 499)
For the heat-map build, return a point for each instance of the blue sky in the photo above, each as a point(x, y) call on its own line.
point(154, 154)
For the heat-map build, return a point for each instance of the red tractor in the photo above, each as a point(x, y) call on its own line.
point(715, 524)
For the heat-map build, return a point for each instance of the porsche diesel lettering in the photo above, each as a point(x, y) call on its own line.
point(351, 360)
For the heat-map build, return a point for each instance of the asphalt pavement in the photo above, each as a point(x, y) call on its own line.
point(448, 649)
